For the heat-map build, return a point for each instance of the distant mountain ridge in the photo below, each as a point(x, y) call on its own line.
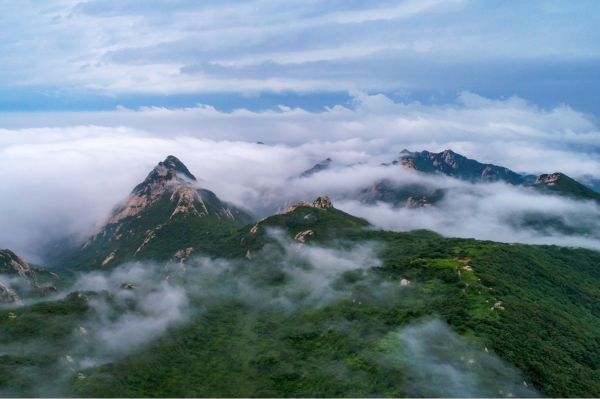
point(455, 165)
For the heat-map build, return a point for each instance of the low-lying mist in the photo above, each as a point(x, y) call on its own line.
point(441, 363)
point(133, 305)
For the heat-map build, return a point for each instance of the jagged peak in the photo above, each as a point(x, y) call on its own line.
point(322, 203)
point(172, 162)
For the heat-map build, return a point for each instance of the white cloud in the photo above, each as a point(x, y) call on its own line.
point(70, 48)
point(67, 178)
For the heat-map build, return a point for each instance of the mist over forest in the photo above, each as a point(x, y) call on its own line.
point(257, 198)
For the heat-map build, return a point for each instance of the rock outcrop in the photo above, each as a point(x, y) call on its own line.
point(550, 179)
point(26, 276)
point(7, 296)
point(417, 202)
point(11, 263)
point(320, 203)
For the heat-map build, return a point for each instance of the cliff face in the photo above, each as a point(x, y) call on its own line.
point(30, 280)
point(8, 297)
point(11, 263)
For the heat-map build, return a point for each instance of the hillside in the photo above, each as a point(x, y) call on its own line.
point(561, 184)
point(255, 328)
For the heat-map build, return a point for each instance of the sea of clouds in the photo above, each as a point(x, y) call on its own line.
point(64, 180)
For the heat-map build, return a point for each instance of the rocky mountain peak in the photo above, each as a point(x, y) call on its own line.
point(164, 178)
point(174, 163)
point(167, 200)
point(322, 203)
point(548, 179)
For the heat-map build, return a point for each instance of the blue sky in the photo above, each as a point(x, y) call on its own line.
point(96, 55)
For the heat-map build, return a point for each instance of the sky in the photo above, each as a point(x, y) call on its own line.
point(59, 55)
point(93, 94)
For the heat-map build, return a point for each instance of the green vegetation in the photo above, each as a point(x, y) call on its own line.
point(154, 235)
point(265, 320)
point(568, 187)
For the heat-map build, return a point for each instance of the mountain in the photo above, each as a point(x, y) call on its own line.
point(559, 183)
point(420, 195)
point(455, 165)
point(26, 280)
point(323, 165)
point(312, 302)
point(451, 164)
point(166, 210)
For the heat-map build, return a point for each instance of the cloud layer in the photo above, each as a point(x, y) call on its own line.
point(70, 52)
point(64, 180)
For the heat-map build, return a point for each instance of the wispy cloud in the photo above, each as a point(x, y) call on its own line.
point(103, 47)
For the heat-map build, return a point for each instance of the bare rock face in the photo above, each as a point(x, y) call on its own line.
point(11, 263)
point(167, 176)
point(409, 163)
point(415, 203)
point(7, 296)
point(550, 179)
point(302, 235)
point(296, 206)
point(320, 203)
point(188, 196)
